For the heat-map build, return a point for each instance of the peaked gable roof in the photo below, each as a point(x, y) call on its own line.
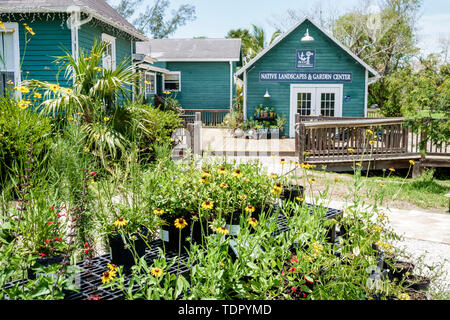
point(284, 35)
point(98, 8)
point(203, 49)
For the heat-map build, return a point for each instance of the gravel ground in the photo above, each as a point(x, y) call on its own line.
point(435, 261)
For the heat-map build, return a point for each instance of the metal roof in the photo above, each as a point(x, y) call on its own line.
point(203, 49)
point(98, 8)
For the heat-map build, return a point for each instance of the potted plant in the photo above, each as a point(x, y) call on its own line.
point(281, 122)
point(274, 132)
point(259, 111)
point(272, 113)
point(266, 113)
point(127, 230)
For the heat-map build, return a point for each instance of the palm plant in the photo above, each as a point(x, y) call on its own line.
point(91, 103)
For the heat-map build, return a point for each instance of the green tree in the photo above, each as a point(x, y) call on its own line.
point(424, 94)
point(152, 19)
point(252, 42)
point(385, 40)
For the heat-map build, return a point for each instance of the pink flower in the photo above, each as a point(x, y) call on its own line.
point(47, 241)
point(58, 239)
point(95, 298)
point(50, 222)
point(294, 259)
point(93, 173)
point(292, 269)
point(294, 289)
point(42, 255)
point(53, 208)
point(59, 215)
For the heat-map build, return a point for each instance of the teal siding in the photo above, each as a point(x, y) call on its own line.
point(51, 40)
point(204, 85)
point(89, 32)
point(329, 58)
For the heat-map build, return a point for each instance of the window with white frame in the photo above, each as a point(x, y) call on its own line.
point(172, 81)
point(150, 83)
point(109, 56)
point(9, 57)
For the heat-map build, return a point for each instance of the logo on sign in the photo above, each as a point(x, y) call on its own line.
point(306, 58)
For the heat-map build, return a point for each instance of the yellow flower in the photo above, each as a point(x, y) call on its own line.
point(97, 69)
point(106, 118)
point(282, 161)
point(69, 91)
point(180, 223)
point(147, 82)
point(86, 149)
point(157, 272)
point(273, 176)
point(381, 216)
point(2, 26)
point(222, 230)
point(222, 171)
point(351, 150)
point(411, 162)
point(243, 197)
point(300, 199)
point(10, 83)
point(158, 211)
point(207, 205)
point(312, 180)
point(108, 276)
point(29, 29)
point(166, 92)
point(237, 174)
point(275, 191)
point(69, 119)
point(224, 185)
point(121, 222)
point(382, 185)
point(358, 164)
point(112, 267)
point(403, 296)
point(54, 87)
point(24, 104)
point(250, 209)
point(296, 164)
point(24, 89)
point(278, 186)
point(368, 131)
point(80, 114)
point(378, 229)
point(253, 222)
point(392, 169)
point(305, 165)
point(204, 180)
point(336, 179)
point(372, 142)
point(37, 95)
point(206, 174)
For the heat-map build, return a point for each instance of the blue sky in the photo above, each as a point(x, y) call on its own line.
point(216, 17)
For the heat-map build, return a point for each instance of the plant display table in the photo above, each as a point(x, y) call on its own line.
point(90, 275)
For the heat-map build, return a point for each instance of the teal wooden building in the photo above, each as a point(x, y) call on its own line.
point(198, 72)
point(59, 26)
point(306, 71)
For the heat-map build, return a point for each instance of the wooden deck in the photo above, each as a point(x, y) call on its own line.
point(383, 142)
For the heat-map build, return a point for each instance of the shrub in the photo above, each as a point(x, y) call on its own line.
point(18, 129)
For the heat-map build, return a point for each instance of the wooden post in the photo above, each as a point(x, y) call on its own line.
point(297, 138)
point(301, 141)
point(196, 134)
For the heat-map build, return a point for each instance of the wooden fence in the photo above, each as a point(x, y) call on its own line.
point(325, 139)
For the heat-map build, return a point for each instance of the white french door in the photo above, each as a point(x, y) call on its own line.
point(314, 100)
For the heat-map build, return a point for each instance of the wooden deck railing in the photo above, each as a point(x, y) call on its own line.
point(211, 117)
point(337, 139)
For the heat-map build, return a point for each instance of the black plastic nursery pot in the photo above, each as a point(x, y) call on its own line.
point(123, 254)
point(290, 193)
point(44, 262)
point(175, 239)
